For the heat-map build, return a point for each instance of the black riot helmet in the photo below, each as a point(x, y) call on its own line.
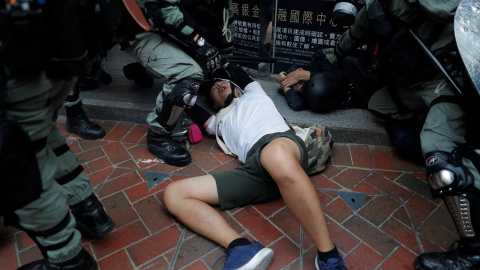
point(321, 93)
point(345, 11)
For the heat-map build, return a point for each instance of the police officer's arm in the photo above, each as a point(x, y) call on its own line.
point(355, 36)
point(199, 115)
point(439, 10)
point(168, 18)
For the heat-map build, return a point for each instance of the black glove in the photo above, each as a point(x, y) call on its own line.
point(209, 53)
point(154, 14)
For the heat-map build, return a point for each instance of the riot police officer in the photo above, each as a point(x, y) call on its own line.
point(415, 91)
point(191, 37)
point(43, 53)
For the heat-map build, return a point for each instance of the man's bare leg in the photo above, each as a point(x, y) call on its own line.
point(281, 159)
point(189, 201)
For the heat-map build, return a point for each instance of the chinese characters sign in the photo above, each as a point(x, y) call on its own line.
point(298, 30)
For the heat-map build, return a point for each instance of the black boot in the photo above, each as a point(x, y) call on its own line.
point(86, 83)
point(463, 258)
point(78, 123)
point(91, 217)
point(137, 73)
point(169, 151)
point(83, 261)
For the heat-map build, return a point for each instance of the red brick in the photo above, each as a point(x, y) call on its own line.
point(136, 134)
point(341, 155)
point(99, 164)
point(288, 224)
point(116, 261)
point(23, 241)
point(157, 264)
point(191, 170)
point(74, 147)
point(387, 186)
point(361, 156)
point(402, 234)
point(320, 181)
point(154, 246)
point(223, 158)
point(259, 227)
point(128, 164)
point(351, 177)
point(331, 171)
point(143, 158)
point(119, 239)
point(271, 207)
point(419, 209)
point(198, 265)
point(401, 259)
point(381, 157)
point(379, 209)
point(205, 160)
point(163, 168)
point(366, 188)
point(362, 257)
point(234, 163)
point(100, 176)
point(116, 152)
point(285, 252)
point(119, 184)
point(90, 144)
point(30, 255)
point(438, 235)
point(153, 214)
point(205, 145)
point(120, 210)
point(338, 210)
point(392, 175)
point(8, 256)
point(371, 235)
point(141, 190)
point(90, 155)
point(119, 131)
point(344, 240)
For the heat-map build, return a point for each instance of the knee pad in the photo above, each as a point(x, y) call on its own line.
point(450, 180)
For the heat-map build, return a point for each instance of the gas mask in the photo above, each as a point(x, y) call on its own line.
point(345, 11)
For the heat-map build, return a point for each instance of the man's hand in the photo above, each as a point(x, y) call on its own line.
point(209, 53)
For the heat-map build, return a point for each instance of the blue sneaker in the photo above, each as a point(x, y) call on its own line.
point(252, 257)
point(335, 263)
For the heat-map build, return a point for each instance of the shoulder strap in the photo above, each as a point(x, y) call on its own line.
point(220, 115)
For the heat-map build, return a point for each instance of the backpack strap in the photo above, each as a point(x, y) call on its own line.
point(220, 115)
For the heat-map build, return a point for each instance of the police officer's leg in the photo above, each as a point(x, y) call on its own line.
point(453, 175)
point(77, 120)
point(47, 219)
point(402, 127)
point(162, 58)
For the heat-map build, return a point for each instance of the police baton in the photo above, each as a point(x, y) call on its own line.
point(435, 62)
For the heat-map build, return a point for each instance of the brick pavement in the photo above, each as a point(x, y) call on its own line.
point(378, 207)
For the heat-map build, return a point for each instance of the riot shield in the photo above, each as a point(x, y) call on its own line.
point(467, 36)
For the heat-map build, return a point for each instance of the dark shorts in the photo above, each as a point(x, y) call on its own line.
point(251, 183)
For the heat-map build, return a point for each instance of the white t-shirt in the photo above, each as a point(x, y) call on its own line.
point(254, 116)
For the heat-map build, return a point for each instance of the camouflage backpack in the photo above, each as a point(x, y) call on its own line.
point(319, 146)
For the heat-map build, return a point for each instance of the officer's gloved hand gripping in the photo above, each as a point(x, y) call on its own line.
point(193, 43)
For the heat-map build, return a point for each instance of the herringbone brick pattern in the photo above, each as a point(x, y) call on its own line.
point(378, 206)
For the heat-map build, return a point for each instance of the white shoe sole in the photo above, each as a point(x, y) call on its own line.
point(260, 261)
